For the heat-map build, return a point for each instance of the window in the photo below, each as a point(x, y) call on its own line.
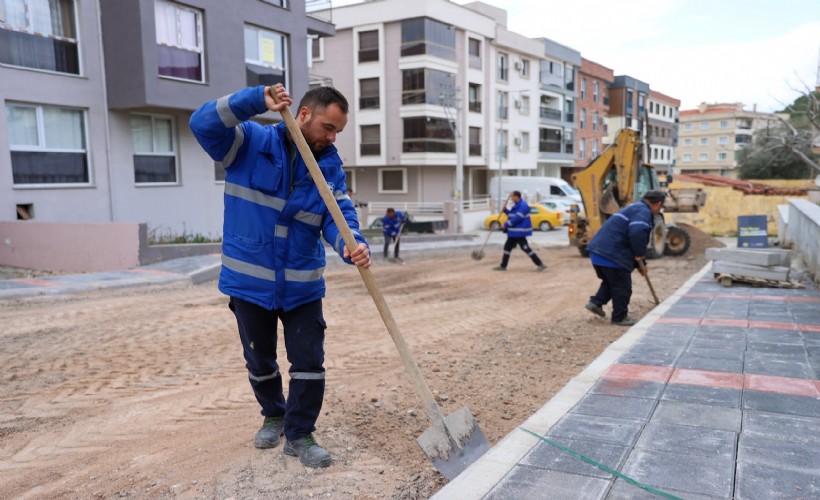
point(350, 180)
point(475, 141)
point(179, 41)
point(501, 144)
point(569, 109)
point(630, 100)
point(525, 68)
point(39, 34)
point(569, 141)
point(722, 156)
point(371, 140)
point(392, 180)
point(595, 121)
point(503, 66)
point(583, 89)
point(423, 85)
point(549, 140)
point(687, 157)
point(582, 148)
point(474, 97)
point(569, 74)
point(704, 125)
point(595, 147)
point(155, 158)
point(687, 127)
point(368, 46)
point(424, 134)
point(687, 142)
point(474, 53)
point(723, 140)
point(422, 35)
point(524, 146)
point(654, 153)
point(724, 123)
point(317, 48)
point(704, 141)
point(265, 57)
point(552, 73)
point(524, 105)
point(369, 93)
point(595, 89)
point(703, 157)
point(48, 144)
point(502, 105)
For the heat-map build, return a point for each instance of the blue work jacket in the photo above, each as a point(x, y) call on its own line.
point(392, 225)
point(625, 235)
point(519, 222)
point(274, 215)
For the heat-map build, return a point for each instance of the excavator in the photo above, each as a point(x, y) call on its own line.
point(618, 177)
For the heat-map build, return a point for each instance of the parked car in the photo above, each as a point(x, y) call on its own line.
point(564, 206)
point(542, 218)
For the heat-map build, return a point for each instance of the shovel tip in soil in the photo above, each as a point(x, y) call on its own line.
point(477, 255)
point(456, 445)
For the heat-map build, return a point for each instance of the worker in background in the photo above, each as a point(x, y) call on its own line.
point(392, 224)
point(615, 252)
point(518, 226)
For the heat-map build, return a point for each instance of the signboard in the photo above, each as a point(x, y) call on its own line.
point(751, 231)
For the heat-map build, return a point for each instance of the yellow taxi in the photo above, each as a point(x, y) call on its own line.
point(542, 218)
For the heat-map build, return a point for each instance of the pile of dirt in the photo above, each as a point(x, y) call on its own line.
point(143, 392)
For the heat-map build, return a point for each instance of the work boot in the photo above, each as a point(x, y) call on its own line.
point(499, 268)
point(595, 309)
point(268, 435)
point(540, 267)
point(309, 453)
point(627, 321)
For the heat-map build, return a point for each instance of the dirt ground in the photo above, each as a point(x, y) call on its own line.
point(143, 392)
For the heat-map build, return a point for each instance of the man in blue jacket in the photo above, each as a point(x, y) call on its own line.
point(272, 256)
point(615, 252)
point(518, 226)
point(392, 224)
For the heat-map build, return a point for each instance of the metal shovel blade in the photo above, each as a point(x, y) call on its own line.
point(454, 447)
point(478, 254)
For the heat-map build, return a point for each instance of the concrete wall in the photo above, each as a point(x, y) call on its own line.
point(803, 233)
point(724, 205)
point(77, 247)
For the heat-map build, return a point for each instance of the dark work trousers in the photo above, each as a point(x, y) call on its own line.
point(616, 285)
point(304, 333)
point(521, 242)
point(387, 241)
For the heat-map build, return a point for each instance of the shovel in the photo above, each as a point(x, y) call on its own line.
point(479, 254)
point(646, 275)
point(452, 443)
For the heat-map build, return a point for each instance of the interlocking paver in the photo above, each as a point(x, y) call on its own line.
point(787, 427)
point(780, 403)
point(533, 483)
point(755, 481)
point(775, 451)
point(713, 417)
point(773, 364)
point(615, 406)
point(546, 456)
point(688, 439)
point(689, 473)
point(712, 396)
point(609, 430)
point(627, 388)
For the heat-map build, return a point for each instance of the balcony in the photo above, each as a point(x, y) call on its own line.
point(551, 114)
point(549, 146)
point(319, 9)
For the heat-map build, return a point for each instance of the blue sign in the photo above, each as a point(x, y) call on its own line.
point(752, 231)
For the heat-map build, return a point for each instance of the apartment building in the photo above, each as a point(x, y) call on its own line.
point(557, 128)
point(97, 96)
point(594, 80)
point(662, 132)
point(712, 134)
point(627, 101)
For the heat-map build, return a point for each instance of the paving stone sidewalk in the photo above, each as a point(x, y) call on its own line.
point(714, 395)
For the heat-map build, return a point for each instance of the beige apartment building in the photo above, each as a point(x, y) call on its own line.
point(712, 135)
point(662, 136)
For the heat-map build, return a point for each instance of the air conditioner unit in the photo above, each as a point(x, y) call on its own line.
point(517, 65)
point(517, 104)
point(517, 141)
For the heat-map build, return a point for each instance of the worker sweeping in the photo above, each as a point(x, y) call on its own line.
point(392, 224)
point(518, 226)
point(616, 250)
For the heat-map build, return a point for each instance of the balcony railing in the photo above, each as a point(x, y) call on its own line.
point(319, 9)
point(551, 114)
point(549, 147)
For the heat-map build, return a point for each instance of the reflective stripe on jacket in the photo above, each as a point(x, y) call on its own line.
point(519, 223)
point(274, 216)
point(625, 235)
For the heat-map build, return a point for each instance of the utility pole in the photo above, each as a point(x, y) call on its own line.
point(450, 97)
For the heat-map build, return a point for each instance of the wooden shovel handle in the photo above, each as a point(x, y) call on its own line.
point(433, 410)
point(646, 275)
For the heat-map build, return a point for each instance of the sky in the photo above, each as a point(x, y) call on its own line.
point(760, 53)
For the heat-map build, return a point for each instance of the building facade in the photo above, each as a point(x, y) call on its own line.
point(113, 143)
point(662, 132)
point(558, 108)
point(627, 105)
point(593, 110)
point(712, 135)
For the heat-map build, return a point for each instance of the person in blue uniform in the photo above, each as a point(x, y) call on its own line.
point(518, 226)
point(392, 224)
point(272, 254)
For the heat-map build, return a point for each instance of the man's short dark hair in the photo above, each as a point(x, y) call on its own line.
point(654, 196)
point(517, 193)
point(322, 97)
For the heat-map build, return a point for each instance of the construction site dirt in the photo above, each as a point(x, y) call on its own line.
point(143, 393)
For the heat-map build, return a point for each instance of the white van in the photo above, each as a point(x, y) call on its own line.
point(533, 189)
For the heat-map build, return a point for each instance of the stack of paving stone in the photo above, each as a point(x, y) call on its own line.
point(764, 265)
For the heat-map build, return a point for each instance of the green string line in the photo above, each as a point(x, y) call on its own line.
point(604, 467)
